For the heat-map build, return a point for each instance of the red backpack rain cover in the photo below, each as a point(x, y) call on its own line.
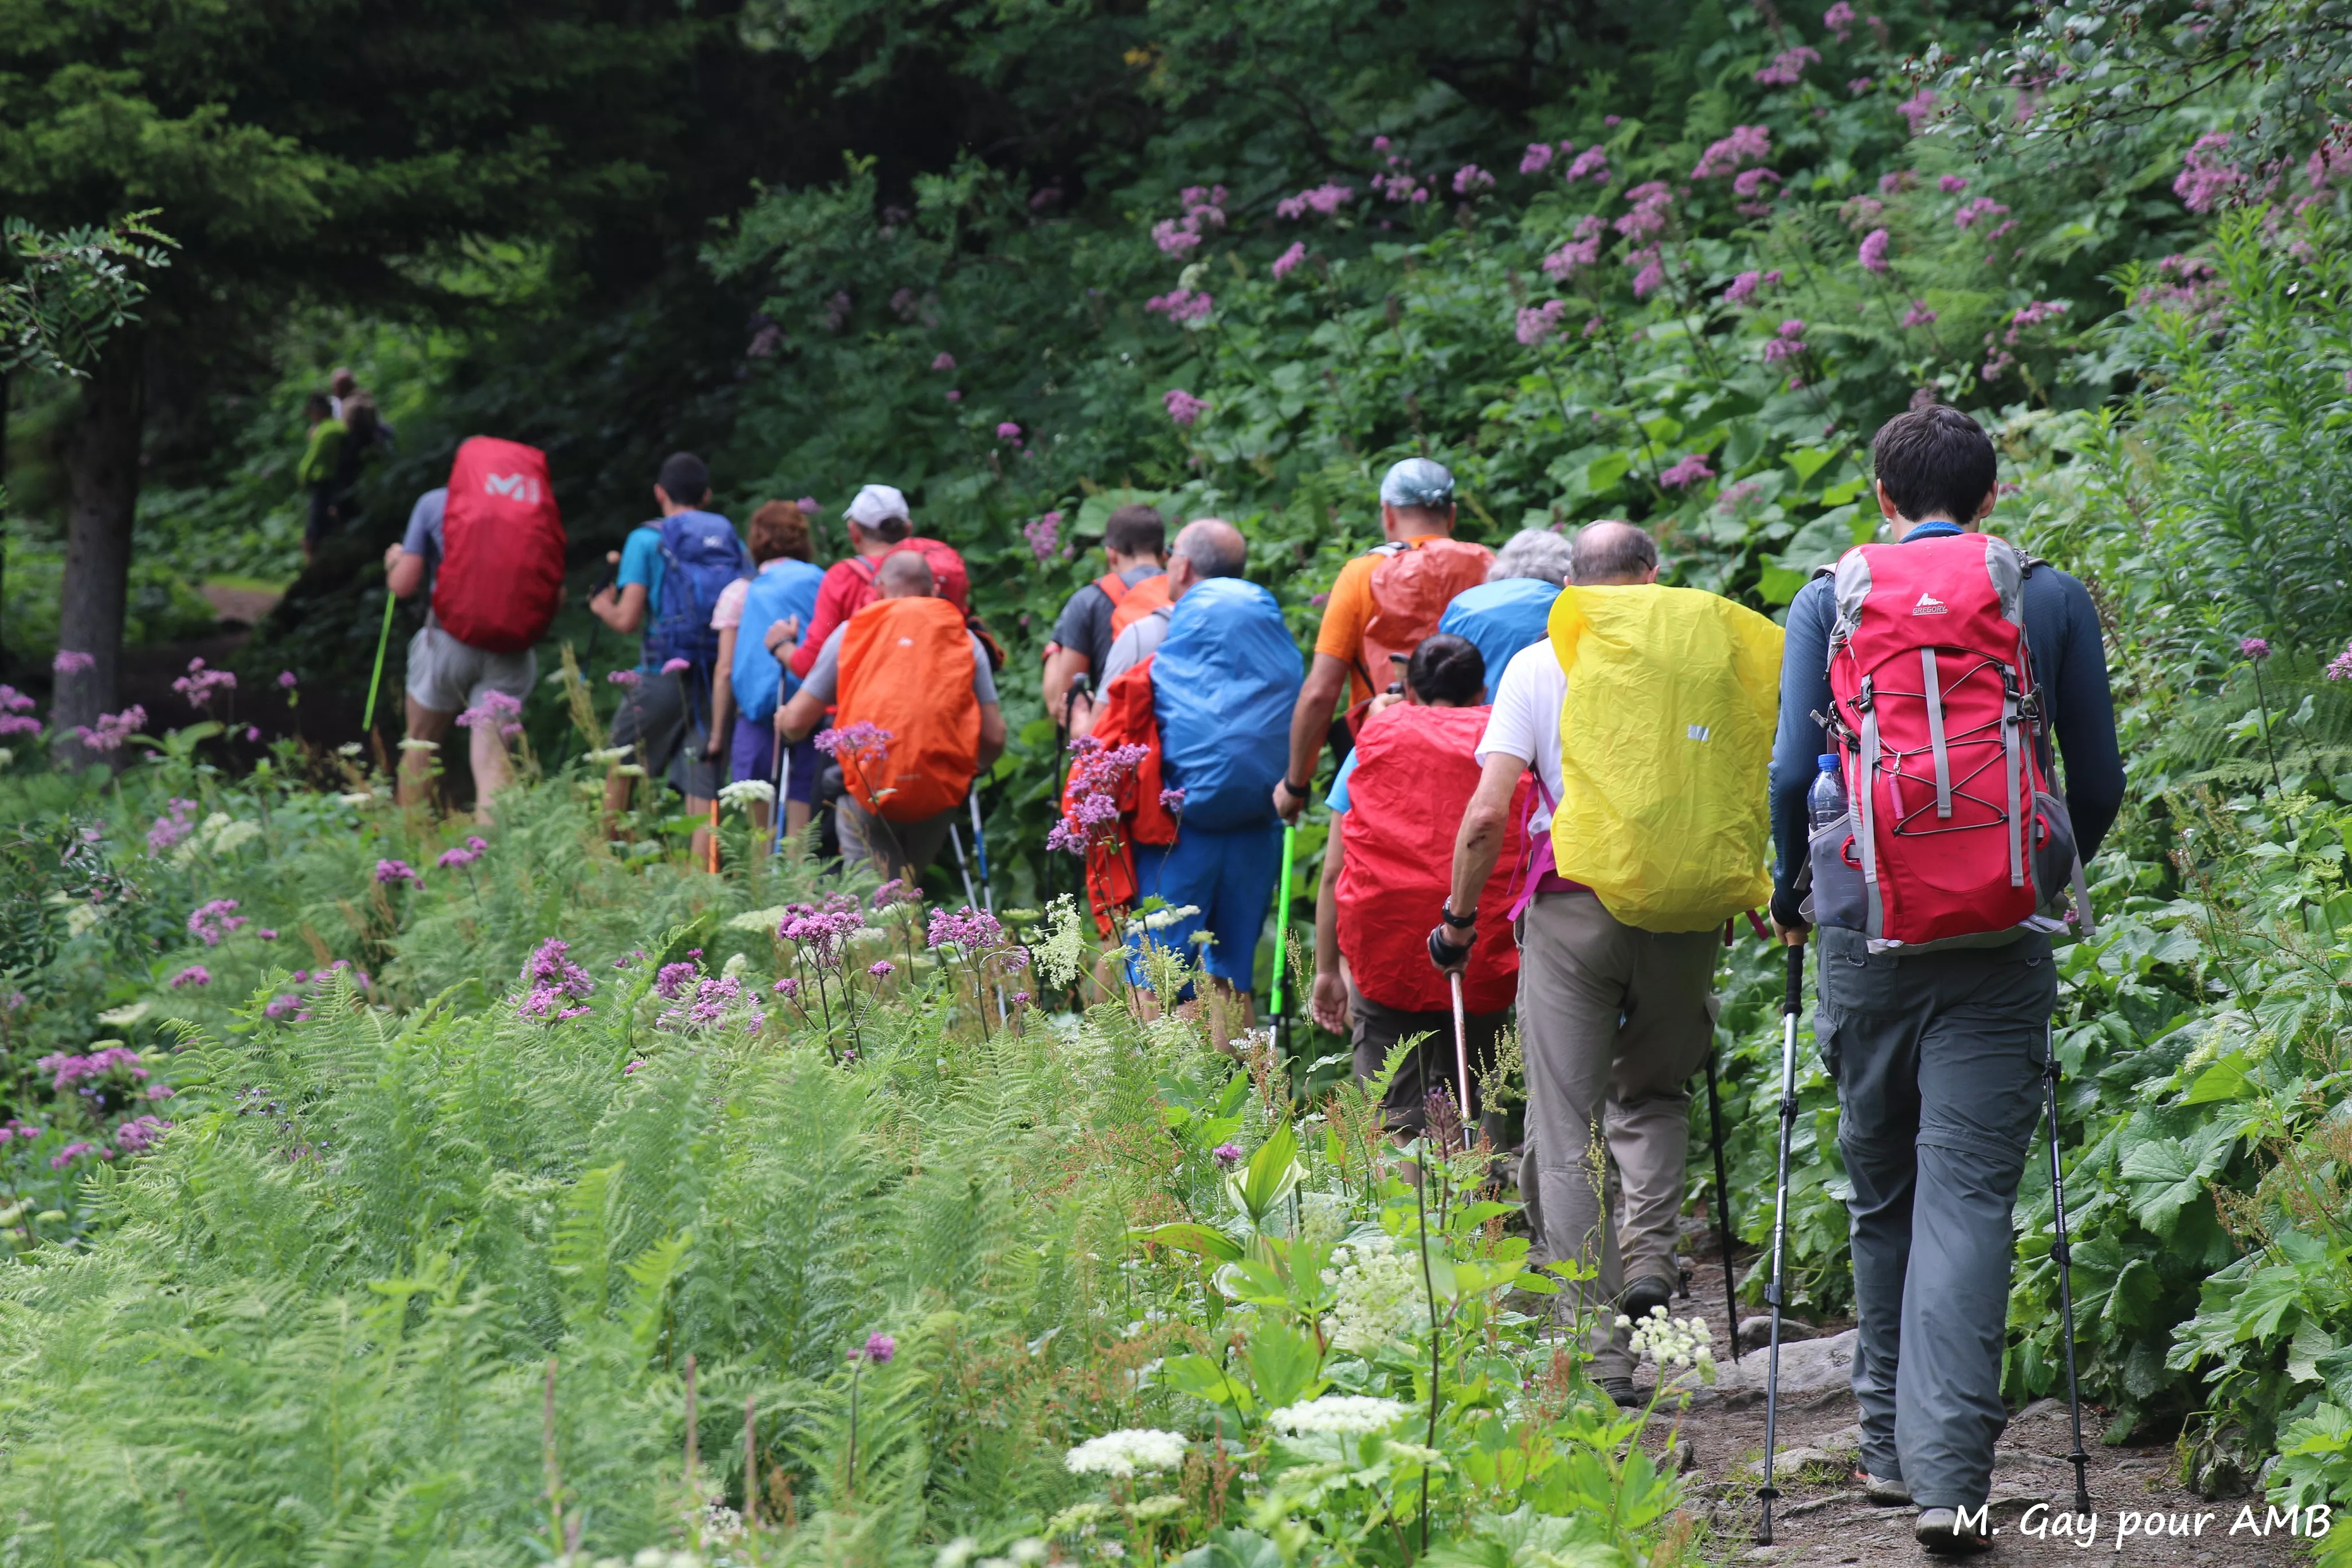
point(1125, 717)
point(1413, 779)
point(1953, 837)
point(501, 574)
point(949, 581)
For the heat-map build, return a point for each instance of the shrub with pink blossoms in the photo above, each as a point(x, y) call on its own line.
point(556, 988)
point(1044, 534)
point(1691, 470)
point(1183, 407)
point(1787, 67)
point(1746, 144)
point(1288, 261)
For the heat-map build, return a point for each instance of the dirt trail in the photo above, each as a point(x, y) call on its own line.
point(1822, 1518)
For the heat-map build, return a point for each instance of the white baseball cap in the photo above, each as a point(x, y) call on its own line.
point(878, 504)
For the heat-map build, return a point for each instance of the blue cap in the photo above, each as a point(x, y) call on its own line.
point(1829, 762)
point(1417, 481)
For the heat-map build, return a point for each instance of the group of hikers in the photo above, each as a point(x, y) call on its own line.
point(1559, 785)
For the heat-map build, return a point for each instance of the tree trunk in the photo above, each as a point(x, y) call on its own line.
point(102, 460)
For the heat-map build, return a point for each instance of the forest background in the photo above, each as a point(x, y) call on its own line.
point(1027, 261)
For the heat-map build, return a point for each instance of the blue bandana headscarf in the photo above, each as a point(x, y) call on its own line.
point(1418, 481)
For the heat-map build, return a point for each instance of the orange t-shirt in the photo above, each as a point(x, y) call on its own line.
point(1346, 615)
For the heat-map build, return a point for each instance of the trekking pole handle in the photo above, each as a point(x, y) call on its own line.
point(1793, 1000)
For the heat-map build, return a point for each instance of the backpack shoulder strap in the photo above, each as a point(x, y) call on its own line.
point(1113, 586)
point(1393, 547)
point(865, 570)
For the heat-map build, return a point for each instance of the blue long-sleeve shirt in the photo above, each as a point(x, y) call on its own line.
point(2070, 664)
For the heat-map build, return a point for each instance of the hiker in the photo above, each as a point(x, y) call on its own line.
point(750, 681)
point(1937, 1053)
point(330, 467)
point(1135, 545)
point(492, 577)
point(1382, 603)
point(1510, 608)
point(917, 717)
point(672, 575)
point(1613, 1017)
point(878, 522)
point(1219, 551)
point(1394, 803)
point(1220, 685)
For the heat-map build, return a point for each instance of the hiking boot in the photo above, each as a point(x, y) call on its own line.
point(1649, 1291)
point(1886, 1492)
point(1620, 1389)
point(1940, 1531)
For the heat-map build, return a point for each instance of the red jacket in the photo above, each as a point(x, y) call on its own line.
point(848, 588)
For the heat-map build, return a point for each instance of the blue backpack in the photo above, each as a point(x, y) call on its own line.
point(1500, 618)
point(1222, 687)
point(701, 555)
point(783, 589)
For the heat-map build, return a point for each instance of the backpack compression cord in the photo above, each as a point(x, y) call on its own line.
point(1789, 1003)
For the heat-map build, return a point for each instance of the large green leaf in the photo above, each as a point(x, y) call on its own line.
point(2167, 1173)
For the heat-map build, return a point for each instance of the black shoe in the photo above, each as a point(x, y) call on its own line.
point(1649, 1291)
point(1939, 1529)
point(1620, 1389)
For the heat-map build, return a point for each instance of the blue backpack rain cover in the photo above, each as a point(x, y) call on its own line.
point(701, 555)
point(782, 588)
point(1501, 619)
point(1222, 687)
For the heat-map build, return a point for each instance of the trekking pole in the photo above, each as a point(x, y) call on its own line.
point(1461, 1056)
point(1722, 1205)
point(1788, 1005)
point(382, 641)
point(1282, 932)
point(2064, 1256)
point(783, 779)
point(970, 900)
point(980, 850)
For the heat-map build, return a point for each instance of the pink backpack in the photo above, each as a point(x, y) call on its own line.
point(1953, 837)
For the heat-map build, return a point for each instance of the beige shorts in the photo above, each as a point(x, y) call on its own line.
point(448, 676)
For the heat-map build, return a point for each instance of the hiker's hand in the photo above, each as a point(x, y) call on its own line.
point(1287, 802)
point(713, 747)
point(781, 636)
point(1788, 924)
point(391, 556)
point(1443, 953)
point(1330, 1002)
point(1382, 703)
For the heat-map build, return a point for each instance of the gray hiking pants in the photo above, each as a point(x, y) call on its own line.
point(1613, 1020)
point(1937, 1057)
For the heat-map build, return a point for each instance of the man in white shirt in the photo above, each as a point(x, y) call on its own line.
point(1613, 1020)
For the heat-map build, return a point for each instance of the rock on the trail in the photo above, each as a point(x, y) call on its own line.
point(1755, 1332)
point(1813, 1372)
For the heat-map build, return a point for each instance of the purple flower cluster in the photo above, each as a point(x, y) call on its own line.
point(1689, 471)
point(1172, 801)
point(1648, 215)
point(1323, 199)
point(1839, 19)
point(1746, 144)
point(2206, 179)
point(1182, 406)
point(974, 931)
point(1096, 773)
point(1787, 67)
point(283, 1006)
point(2254, 649)
point(1288, 261)
point(211, 923)
point(173, 825)
point(388, 872)
point(1536, 159)
point(285, 680)
point(878, 1349)
point(1203, 209)
point(676, 666)
point(1044, 534)
point(1743, 288)
point(826, 929)
point(496, 711)
point(2031, 314)
point(70, 1069)
point(1470, 179)
point(942, 361)
point(16, 710)
point(457, 859)
point(1873, 254)
point(1007, 431)
point(2340, 666)
point(1917, 109)
point(1181, 305)
point(623, 677)
point(195, 974)
point(141, 1133)
point(1788, 343)
point(1592, 163)
point(1538, 322)
point(1981, 209)
point(1227, 1154)
point(111, 728)
point(75, 1150)
point(860, 741)
point(199, 685)
point(715, 996)
point(556, 984)
point(673, 978)
point(69, 662)
point(1583, 250)
point(1919, 315)
point(895, 891)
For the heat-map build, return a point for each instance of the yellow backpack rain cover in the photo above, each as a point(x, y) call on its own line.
point(1665, 742)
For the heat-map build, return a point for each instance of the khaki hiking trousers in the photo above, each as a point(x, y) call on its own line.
point(1613, 1021)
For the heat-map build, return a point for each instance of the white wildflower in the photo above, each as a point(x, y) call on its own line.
point(236, 835)
point(758, 920)
point(81, 917)
point(1378, 1296)
point(357, 797)
point(1125, 1452)
point(1153, 1508)
point(411, 744)
point(6, 756)
point(735, 965)
point(630, 770)
point(1028, 1551)
point(608, 755)
point(1060, 953)
point(743, 791)
point(349, 749)
point(1677, 1342)
point(956, 1553)
point(1339, 1415)
point(1161, 920)
point(122, 1017)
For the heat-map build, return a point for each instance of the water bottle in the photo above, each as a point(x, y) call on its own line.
point(1825, 802)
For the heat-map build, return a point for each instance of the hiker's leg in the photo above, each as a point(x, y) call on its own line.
point(1377, 1028)
point(1979, 1100)
point(511, 675)
point(417, 766)
point(1248, 865)
point(751, 758)
point(1573, 973)
point(1182, 874)
point(437, 681)
point(805, 762)
point(1872, 1009)
point(1669, 1024)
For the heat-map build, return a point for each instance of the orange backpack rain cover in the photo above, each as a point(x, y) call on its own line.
point(1411, 589)
point(907, 666)
point(1413, 779)
point(1129, 605)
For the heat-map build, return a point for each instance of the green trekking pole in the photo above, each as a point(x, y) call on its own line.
point(1282, 923)
point(382, 641)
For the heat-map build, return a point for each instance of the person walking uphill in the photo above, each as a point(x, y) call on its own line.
point(1512, 606)
point(672, 575)
point(754, 617)
point(917, 717)
point(1934, 1001)
point(1647, 716)
point(877, 520)
point(1382, 603)
point(487, 552)
point(1395, 802)
point(1135, 543)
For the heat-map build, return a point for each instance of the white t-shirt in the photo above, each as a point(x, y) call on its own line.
point(1525, 722)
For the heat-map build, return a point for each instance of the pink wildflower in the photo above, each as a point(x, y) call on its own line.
point(1840, 19)
point(1537, 159)
point(1873, 254)
point(1689, 471)
point(1787, 67)
point(1182, 406)
point(69, 662)
point(1287, 262)
point(1746, 144)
